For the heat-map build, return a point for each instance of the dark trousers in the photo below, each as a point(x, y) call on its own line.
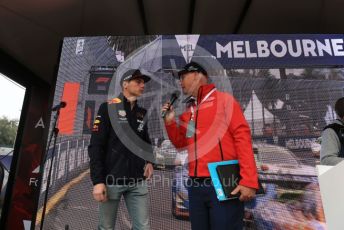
point(208, 213)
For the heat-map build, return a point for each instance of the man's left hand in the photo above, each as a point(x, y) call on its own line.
point(148, 171)
point(246, 193)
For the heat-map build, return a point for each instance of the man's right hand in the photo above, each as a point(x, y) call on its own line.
point(99, 192)
point(170, 115)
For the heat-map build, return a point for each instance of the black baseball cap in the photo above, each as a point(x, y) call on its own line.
point(192, 67)
point(134, 73)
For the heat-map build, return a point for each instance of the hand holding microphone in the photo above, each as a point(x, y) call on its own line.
point(167, 111)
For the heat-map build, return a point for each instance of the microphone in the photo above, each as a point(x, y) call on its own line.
point(173, 98)
point(59, 106)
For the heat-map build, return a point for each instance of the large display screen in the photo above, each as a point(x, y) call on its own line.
point(286, 86)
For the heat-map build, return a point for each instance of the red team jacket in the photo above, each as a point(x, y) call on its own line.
point(222, 133)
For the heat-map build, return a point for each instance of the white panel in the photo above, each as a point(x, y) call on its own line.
point(332, 190)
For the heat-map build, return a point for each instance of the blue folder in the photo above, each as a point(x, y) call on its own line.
point(216, 180)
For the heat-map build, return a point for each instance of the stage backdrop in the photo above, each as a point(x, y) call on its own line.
point(286, 85)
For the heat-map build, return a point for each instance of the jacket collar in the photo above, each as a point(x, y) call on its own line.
point(203, 91)
point(125, 101)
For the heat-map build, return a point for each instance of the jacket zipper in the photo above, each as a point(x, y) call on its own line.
point(221, 150)
point(195, 136)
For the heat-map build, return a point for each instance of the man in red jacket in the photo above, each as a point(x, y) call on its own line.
point(213, 128)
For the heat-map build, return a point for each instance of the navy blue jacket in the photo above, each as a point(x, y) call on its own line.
point(120, 145)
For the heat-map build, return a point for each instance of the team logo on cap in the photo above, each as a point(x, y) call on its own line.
point(192, 68)
point(127, 78)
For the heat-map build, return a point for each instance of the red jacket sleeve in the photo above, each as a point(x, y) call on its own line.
point(241, 133)
point(176, 133)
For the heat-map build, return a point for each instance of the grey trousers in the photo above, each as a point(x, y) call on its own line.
point(135, 197)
